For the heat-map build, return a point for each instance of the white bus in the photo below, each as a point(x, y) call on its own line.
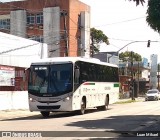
point(71, 84)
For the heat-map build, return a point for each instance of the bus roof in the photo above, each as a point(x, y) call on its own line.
point(73, 59)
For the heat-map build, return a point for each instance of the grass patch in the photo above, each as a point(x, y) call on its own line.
point(125, 102)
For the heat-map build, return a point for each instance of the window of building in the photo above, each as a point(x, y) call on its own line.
point(35, 18)
point(39, 18)
point(19, 73)
point(31, 19)
point(36, 38)
point(31, 37)
point(39, 38)
point(4, 23)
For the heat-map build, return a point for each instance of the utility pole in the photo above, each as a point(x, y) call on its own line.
point(64, 14)
point(41, 56)
point(92, 47)
point(138, 80)
point(158, 76)
point(132, 81)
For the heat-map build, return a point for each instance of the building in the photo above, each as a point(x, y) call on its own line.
point(16, 54)
point(64, 25)
point(138, 72)
point(110, 57)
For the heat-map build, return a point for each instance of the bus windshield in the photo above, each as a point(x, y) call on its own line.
point(50, 80)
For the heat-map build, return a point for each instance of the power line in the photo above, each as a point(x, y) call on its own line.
point(18, 48)
point(124, 21)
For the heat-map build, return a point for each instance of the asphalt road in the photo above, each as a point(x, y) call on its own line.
point(140, 120)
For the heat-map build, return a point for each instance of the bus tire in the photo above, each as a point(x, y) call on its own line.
point(83, 107)
point(45, 113)
point(104, 107)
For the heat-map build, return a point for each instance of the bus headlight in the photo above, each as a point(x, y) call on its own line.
point(32, 100)
point(66, 99)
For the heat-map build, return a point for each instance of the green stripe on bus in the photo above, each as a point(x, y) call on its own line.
point(116, 85)
point(89, 83)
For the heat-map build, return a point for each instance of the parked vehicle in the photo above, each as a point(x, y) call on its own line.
point(152, 94)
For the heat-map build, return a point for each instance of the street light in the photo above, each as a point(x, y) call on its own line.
point(148, 45)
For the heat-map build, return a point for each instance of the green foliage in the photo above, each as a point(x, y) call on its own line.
point(153, 17)
point(97, 36)
point(138, 1)
point(125, 56)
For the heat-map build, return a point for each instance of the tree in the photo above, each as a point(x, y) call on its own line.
point(125, 56)
point(97, 37)
point(153, 17)
point(153, 13)
point(138, 1)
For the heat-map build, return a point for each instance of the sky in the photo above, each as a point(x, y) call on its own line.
point(123, 22)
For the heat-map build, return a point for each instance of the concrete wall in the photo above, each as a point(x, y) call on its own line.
point(85, 34)
point(153, 72)
point(18, 23)
point(51, 30)
point(13, 100)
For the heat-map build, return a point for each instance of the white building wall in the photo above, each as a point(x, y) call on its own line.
point(18, 23)
point(51, 30)
point(13, 100)
point(85, 34)
point(20, 52)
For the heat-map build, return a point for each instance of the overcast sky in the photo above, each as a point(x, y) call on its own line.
point(122, 20)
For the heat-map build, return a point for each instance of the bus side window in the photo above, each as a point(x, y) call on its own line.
point(84, 77)
point(77, 75)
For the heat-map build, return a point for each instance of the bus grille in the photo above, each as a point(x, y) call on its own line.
point(49, 107)
point(48, 101)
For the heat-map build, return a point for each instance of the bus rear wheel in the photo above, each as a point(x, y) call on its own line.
point(45, 113)
point(105, 106)
point(83, 107)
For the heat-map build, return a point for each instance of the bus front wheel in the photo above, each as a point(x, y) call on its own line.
point(45, 113)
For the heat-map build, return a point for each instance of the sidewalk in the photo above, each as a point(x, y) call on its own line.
point(13, 114)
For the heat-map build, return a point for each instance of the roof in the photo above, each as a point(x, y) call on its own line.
point(18, 51)
point(73, 59)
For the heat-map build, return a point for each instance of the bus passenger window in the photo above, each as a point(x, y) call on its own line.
point(77, 74)
point(84, 77)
